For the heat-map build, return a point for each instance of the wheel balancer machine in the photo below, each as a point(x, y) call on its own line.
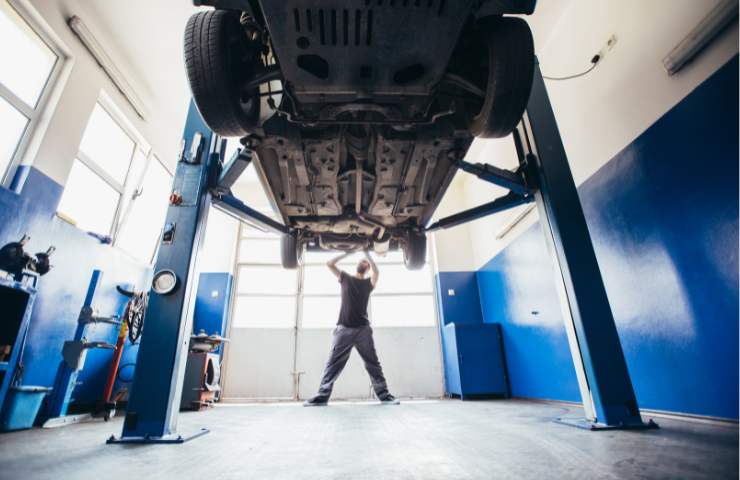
point(543, 177)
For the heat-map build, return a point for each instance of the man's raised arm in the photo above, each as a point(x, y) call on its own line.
point(332, 264)
point(374, 268)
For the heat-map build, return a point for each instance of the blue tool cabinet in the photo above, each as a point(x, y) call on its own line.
point(474, 360)
point(16, 302)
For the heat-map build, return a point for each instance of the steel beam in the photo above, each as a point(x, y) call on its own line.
point(512, 181)
point(154, 401)
point(233, 170)
point(231, 205)
point(506, 202)
point(606, 389)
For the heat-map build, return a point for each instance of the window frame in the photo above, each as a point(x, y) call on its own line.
point(238, 265)
point(123, 215)
point(299, 295)
point(38, 114)
point(105, 102)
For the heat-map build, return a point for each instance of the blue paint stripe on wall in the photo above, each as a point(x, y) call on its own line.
point(663, 215)
point(62, 291)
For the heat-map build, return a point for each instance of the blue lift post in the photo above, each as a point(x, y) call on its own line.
point(154, 401)
point(544, 175)
point(606, 388)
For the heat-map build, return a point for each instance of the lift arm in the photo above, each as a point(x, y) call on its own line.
point(232, 171)
point(236, 208)
point(506, 202)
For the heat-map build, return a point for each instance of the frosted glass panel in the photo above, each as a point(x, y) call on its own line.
point(264, 312)
point(12, 125)
point(82, 187)
point(266, 280)
point(399, 279)
point(319, 279)
point(402, 311)
point(140, 233)
point(26, 60)
point(320, 312)
point(106, 144)
point(259, 251)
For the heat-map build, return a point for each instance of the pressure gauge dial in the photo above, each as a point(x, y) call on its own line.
point(164, 282)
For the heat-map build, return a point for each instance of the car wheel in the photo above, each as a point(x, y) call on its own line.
point(218, 60)
point(510, 72)
point(415, 251)
point(290, 250)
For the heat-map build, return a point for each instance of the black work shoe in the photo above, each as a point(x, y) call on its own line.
point(389, 400)
point(316, 401)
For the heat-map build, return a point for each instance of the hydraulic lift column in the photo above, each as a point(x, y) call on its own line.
point(608, 397)
point(154, 401)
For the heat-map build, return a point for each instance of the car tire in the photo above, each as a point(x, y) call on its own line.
point(415, 251)
point(510, 72)
point(215, 48)
point(290, 250)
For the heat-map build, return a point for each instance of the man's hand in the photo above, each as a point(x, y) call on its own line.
point(332, 264)
point(375, 272)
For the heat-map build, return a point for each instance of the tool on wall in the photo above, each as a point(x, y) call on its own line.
point(74, 353)
point(17, 262)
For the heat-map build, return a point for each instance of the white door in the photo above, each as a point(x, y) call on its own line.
point(282, 322)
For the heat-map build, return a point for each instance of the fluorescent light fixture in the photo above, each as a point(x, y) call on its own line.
point(703, 33)
point(514, 221)
point(106, 63)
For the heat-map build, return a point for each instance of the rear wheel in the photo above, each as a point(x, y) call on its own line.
point(218, 60)
point(415, 251)
point(290, 250)
point(510, 71)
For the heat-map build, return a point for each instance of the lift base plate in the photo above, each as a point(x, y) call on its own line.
point(587, 424)
point(175, 438)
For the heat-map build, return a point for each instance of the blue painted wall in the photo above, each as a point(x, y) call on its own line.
point(463, 307)
point(663, 215)
point(212, 304)
point(62, 291)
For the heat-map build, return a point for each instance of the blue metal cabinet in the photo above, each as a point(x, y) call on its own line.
point(474, 360)
point(16, 302)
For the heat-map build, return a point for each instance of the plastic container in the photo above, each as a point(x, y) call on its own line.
point(21, 406)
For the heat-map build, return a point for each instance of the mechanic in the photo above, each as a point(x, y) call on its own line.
point(353, 330)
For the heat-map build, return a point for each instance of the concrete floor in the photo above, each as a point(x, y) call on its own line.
point(416, 440)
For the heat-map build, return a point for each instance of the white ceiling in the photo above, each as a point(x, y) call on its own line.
point(144, 38)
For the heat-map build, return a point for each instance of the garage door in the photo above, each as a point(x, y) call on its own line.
point(282, 322)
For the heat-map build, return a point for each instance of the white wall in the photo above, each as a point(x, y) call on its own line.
point(601, 113)
point(58, 146)
point(219, 245)
point(452, 247)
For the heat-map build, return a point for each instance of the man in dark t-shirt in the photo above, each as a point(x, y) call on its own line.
point(353, 330)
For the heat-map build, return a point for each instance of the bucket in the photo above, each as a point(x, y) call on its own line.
point(21, 406)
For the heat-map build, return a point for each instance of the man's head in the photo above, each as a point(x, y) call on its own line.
point(363, 266)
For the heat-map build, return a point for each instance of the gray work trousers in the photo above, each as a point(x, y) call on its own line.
point(344, 339)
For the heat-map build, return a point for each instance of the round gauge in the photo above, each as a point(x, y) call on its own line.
point(164, 282)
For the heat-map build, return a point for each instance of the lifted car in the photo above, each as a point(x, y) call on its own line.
point(358, 111)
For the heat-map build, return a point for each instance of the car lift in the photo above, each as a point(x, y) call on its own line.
point(543, 177)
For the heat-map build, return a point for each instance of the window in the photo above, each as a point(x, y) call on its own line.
point(127, 183)
point(266, 293)
point(268, 296)
point(403, 298)
point(145, 209)
point(29, 66)
point(100, 169)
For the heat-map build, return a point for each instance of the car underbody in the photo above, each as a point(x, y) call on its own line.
point(359, 112)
